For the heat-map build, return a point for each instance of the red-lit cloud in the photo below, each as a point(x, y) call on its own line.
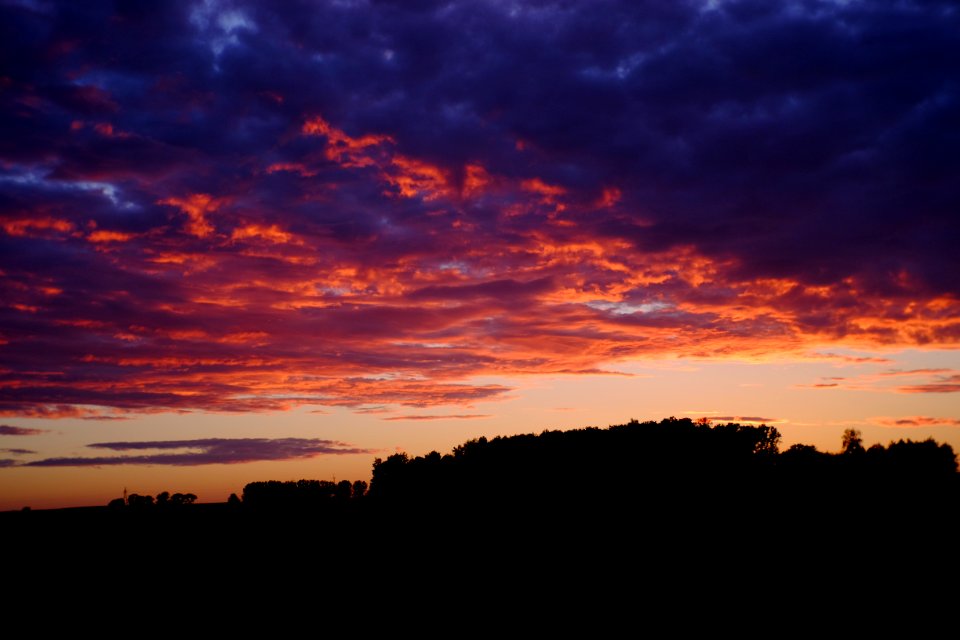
point(205, 230)
point(197, 207)
point(224, 306)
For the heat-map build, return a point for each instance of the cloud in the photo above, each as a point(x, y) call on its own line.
point(207, 451)
point(554, 190)
point(463, 416)
point(826, 383)
point(912, 372)
point(742, 419)
point(18, 452)
point(944, 384)
point(7, 430)
point(918, 421)
point(854, 359)
point(937, 381)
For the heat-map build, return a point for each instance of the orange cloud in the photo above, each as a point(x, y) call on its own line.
point(341, 148)
point(270, 233)
point(475, 180)
point(197, 206)
point(409, 177)
point(109, 236)
point(57, 411)
point(536, 185)
point(462, 416)
point(30, 226)
point(414, 178)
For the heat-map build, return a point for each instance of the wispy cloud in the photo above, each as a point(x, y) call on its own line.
point(742, 419)
point(848, 359)
point(896, 373)
point(936, 381)
point(918, 421)
point(462, 416)
point(8, 430)
point(207, 451)
point(942, 384)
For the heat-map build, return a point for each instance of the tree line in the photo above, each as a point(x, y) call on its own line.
point(163, 499)
point(673, 461)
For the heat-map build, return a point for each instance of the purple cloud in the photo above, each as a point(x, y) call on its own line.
point(207, 451)
point(945, 384)
point(352, 204)
point(8, 430)
point(919, 421)
point(18, 452)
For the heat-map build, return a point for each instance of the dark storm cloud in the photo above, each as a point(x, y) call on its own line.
point(208, 451)
point(198, 198)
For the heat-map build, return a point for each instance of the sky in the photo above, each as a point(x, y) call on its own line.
point(246, 241)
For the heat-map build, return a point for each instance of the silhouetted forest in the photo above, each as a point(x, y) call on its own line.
point(677, 472)
point(671, 464)
point(673, 503)
point(676, 476)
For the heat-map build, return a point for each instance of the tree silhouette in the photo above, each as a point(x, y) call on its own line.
point(343, 490)
point(679, 456)
point(136, 501)
point(852, 442)
point(359, 489)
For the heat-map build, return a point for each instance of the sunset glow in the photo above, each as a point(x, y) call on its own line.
point(240, 242)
